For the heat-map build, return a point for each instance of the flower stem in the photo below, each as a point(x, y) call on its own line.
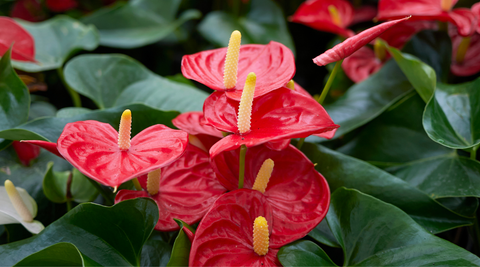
point(137, 185)
point(329, 82)
point(300, 143)
point(241, 170)
point(69, 204)
point(73, 94)
point(106, 195)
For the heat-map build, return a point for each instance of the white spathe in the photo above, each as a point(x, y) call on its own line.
point(9, 215)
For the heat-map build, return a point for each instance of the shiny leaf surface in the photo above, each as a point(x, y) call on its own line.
point(304, 253)
point(181, 247)
point(60, 254)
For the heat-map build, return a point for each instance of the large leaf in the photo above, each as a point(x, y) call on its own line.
point(110, 236)
point(60, 254)
point(264, 22)
point(55, 40)
point(303, 253)
point(341, 170)
point(138, 22)
point(114, 80)
point(392, 238)
point(49, 129)
point(452, 116)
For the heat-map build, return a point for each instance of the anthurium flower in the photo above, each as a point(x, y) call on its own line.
point(274, 65)
point(278, 115)
point(26, 152)
point(49, 146)
point(11, 33)
point(29, 10)
point(17, 206)
point(440, 10)
point(298, 194)
point(199, 134)
point(184, 189)
point(61, 5)
point(363, 14)
point(232, 234)
point(354, 43)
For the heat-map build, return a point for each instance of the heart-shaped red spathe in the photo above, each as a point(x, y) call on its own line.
point(11, 33)
point(361, 64)
point(194, 124)
point(188, 188)
point(278, 115)
point(315, 14)
point(273, 64)
point(225, 235)
point(61, 5)
point(92, 148)
point(298, 194)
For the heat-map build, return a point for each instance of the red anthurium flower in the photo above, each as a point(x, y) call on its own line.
point(11, 33)
point(466, 54)
point(278, 115)
point(361, 64)
point(199, 134)
point(274, 65)
point(29, 10)
point(440, 10)
point(363, 14)
point(333, 16)
point(26, 152)
point(354, 43)
point(298, 194)
point(49, 146)
point(61, 5)
point(186, 190)
point(226, 235)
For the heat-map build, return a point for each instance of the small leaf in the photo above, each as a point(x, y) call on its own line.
point(81, 189)
point(60, 254)
point(55, 185)
point(303, 253)
point(181, 247)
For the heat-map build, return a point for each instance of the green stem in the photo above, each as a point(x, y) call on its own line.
point(77, 102)
point(105, 195)
point(137, 185)
point(329, 82)
point(300, 143)
point(473, 154)
point(241, 170)
point(69, 204)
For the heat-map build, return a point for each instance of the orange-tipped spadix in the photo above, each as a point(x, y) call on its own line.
point(153, 181)
point(291, 85)
point(334, 15)
point(17, 202)
point(231, 60)
point(260, 236)
point(263, 176)
point(447, 5)
point(124, 130)
point(245, 107)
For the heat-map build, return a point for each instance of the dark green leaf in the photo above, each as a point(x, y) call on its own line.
point(49, 129)
point(391, 239)
point(452, 118)
point(115, 80)
point(111, 236)
point(264, 22)
point(181, 247)
point(139, 22)
point(155, 253)
point(81, 189)
point(322, 234)
point(341, 170)
point(303, 253)
point(61, 254)
point(55, 40)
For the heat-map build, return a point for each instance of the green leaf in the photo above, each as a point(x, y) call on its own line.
point(110, 236)
point(138, 22)
point(303, 253)
point(264, 22)
point(81, 189)
point(60, 254)
point(451, 116)
point(55, 40)
point(71, 112)
point(181, 247)
point(392, 238)
point(322, 234)
point(49, 129)
point(155, 253)
point(41, 109)
point(115, 80)
point(421, 76)
point(14, 96)
point(341, 170)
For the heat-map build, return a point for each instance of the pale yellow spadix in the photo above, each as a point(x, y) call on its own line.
point(260, 236)
point(153, 181)
point(334, 15)
point(291, 85)
point(17, 202)
point(263, 176)
point(124, 130)
point(231, 60)
point(446, 5)
point(246, 102)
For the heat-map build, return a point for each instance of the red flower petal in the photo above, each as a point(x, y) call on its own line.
point(398, 35)
point(273, 64)
point(315, 14)
point(11, 33)
point(465, 20)
point(26, 152)
point(363, 14)
point(471, 63)
point(352, 44)
point(188, 188)
point(361, 64)
point(193, 123)
point(225, 235)
point(49, 146)
point(61, 5)
point(298, 194)
point(281, 114)
point(91, 147)
point(476, 11)
point(29, 10)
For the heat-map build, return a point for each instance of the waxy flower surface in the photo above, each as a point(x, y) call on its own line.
point(200, 135)
point(11, 33)
point(26, 152)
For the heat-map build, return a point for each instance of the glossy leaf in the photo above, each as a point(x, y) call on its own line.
point(323, 234)
point(60, 254)
point(49, 129)
point(55, 40)
point(116, 80)
point(263, 23)
point(138, 22)
point(155, 253)
point(13, 35)
point(181, 247)
point(110, 236)
point(304, 253)
point(398, 239)
point(341, 170)
point(451, 116)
